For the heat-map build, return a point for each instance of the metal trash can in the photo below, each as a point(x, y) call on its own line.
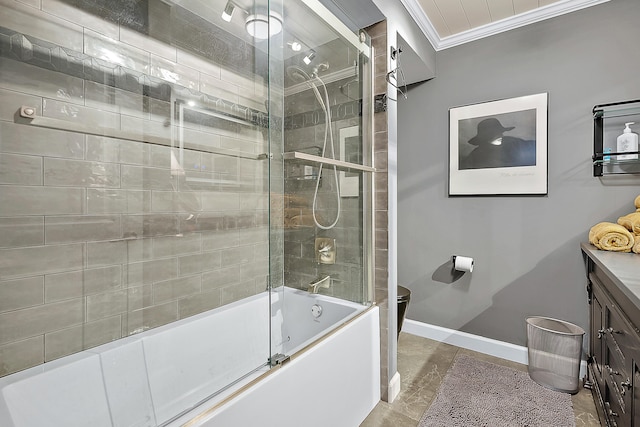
point(555, 353)
point(404, 296)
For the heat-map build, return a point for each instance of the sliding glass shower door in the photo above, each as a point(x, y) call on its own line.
point(134, 161)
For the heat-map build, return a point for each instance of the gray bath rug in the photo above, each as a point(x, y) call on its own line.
point(475, 393)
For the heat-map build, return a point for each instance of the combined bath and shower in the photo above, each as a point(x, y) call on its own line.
point(301, 75)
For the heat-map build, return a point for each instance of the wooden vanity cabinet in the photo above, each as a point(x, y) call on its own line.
point(614, 346)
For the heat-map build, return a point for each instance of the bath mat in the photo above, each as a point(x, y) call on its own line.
point(475, 393)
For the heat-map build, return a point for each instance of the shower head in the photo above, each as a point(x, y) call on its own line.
point(297, 74)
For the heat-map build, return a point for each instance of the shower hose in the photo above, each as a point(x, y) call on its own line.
point(328, 137)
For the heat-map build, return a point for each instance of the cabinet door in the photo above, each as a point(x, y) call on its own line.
point(635, 391)
point(596, 337)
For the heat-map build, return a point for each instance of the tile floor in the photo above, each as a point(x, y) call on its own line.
point(422, 364)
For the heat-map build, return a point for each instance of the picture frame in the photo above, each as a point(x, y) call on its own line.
point(499, 147)
point(350, 151)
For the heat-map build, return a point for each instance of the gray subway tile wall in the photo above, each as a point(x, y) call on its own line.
point(32, 21)
point(80, 173)
point(63, 10)
point(22, 354)
point(34, 80)
point(101, 237)
point(35, 260)
point(15, 138)
point(19, 169)
point(27, 200)
point(21, 293)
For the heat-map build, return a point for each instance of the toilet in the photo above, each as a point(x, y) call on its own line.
point(404, 296)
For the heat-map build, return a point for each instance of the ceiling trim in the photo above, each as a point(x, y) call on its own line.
point(497, 27)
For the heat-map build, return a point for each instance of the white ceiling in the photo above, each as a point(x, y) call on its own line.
point(448, 23)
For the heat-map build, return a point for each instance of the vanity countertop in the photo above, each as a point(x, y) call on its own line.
point(622, 268)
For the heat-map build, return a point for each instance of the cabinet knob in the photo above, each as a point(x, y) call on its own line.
point(626, 384)
point(601, 332)
point(612, 414)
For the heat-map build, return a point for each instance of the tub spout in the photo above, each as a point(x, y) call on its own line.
point(325, 282)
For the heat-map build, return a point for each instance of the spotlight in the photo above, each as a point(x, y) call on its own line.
point(228, 11)
point(310, 56)
point(295, 46)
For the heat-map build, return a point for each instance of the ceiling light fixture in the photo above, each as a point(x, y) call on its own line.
point(261, 27)
point(309, 57)
point(227, 13)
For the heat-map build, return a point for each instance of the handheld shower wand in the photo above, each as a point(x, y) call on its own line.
point(298, 72)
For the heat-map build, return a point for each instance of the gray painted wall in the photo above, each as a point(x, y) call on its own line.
point(527, 254)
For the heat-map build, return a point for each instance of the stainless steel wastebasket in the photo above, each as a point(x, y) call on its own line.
point(555, 353)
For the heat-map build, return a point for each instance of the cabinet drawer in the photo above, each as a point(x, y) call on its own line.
point(618, 379)
point(614, 412)
point(620, 331)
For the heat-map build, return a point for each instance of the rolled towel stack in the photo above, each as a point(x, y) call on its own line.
point(611, 237)
point(631, 222)
point(621, 237)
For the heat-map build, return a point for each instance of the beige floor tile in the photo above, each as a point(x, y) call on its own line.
point(422, 364)
point(383, 415)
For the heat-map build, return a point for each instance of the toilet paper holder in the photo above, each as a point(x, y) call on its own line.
point(455, 274)
point(464, 264)
point(447, 272)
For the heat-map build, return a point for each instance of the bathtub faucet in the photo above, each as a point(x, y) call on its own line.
point(325, 282)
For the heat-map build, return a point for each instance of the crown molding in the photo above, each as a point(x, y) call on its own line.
point(493, 28)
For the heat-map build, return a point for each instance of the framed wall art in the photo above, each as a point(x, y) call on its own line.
point(499, 147)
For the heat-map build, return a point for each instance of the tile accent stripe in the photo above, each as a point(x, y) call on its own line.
point(34, 51)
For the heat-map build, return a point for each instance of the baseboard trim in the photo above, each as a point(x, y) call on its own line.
point(394, 387)
point(501, 349)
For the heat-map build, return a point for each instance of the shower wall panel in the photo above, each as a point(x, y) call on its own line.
point(101, 237)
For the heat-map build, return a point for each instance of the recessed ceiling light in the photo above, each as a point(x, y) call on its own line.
point(261, 27)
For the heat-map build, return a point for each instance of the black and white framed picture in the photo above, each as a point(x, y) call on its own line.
point(499, 147)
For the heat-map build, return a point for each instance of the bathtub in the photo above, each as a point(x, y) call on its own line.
point(179, 374)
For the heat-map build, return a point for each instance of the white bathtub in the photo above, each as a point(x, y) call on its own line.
point(166, 376)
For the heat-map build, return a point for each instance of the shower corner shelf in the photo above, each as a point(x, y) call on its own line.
point(339, 164)
point(607, 125)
